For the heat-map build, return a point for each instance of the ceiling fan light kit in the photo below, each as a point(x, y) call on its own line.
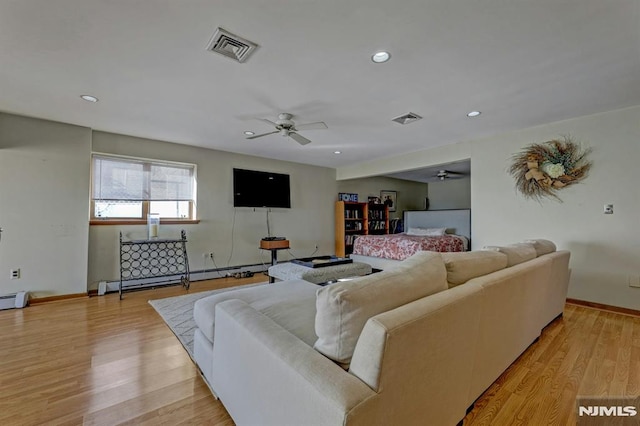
point(287, 127)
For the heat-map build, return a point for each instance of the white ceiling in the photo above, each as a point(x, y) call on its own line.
point(521, 62)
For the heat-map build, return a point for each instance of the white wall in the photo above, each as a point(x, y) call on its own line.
point(44, 205)
point(450, 194)
point(233, 234)
point(605, 249)
point(410, 195)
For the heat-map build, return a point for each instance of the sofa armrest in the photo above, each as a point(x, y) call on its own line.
point(265, 375)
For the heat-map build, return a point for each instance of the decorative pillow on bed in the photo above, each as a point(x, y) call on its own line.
point(542, 246)
point(516, 253)
point(342, 309)
point(427, 232)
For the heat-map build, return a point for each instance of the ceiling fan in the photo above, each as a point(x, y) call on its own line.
point(286, 127)
point(448, 174)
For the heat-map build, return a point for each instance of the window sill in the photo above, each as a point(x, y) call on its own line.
point(142, 221)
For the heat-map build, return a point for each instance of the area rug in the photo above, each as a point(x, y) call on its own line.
point(177, 313)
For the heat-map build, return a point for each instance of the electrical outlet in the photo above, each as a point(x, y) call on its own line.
point(634, 281)
point(211, 255)
point(14, 274)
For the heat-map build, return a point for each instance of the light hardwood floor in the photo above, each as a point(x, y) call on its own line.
point(103, 361)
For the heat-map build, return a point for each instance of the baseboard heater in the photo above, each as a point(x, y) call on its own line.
point(17, 300)
point(200, 275)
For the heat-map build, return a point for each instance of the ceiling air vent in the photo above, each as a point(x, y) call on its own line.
point(231, 46)
point(407, 118)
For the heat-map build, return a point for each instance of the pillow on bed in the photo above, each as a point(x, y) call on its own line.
point(427, 232)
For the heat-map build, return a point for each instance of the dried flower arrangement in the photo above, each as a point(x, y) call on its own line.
point(540, 170)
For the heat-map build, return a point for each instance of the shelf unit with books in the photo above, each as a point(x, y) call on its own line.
point(378, 219)
point(354, 219)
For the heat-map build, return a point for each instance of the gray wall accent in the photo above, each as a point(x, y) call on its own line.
point(44, 205)
point(45, 202)
point(450, 194)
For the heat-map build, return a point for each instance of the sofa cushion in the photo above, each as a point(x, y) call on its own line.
point(463, 266)
point(516, 253)
point(542, 246)
point(291, 304)
point(342, 309)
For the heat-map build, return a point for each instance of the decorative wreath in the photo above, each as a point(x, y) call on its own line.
point(540, 170)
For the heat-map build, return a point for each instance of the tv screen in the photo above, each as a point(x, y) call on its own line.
point(260, 189)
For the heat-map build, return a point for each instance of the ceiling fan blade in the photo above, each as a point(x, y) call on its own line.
point(263, 134)
point(299, 138)
point(312, 126)
point(267, 121)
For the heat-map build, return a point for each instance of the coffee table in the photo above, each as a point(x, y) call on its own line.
point(291, 271)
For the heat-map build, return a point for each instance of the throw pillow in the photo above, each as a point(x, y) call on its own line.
point(516, 253)
point(342, 309)
point(463, 266)
point(542, 246)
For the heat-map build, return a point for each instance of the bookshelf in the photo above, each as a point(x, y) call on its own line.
point(378, 219)
point(354, 219)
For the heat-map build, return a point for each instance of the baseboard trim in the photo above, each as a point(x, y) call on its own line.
point(603, 307)
point(36, 300)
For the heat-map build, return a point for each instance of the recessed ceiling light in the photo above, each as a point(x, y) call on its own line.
point(474, 114)
point(89, 98)
point(380, 57)
point(249, 133)
point(337, 152)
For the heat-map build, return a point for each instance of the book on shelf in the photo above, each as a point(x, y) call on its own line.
point(352, 214)
point(377, 225)
point(353, 226)
point(349, 239)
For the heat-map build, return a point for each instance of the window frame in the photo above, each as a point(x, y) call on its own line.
point(147, 163)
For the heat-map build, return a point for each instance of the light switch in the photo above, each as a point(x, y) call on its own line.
point(608, 209)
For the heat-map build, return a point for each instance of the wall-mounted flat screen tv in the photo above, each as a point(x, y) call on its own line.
point(252, 188)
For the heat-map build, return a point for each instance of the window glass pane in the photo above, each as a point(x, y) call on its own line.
point(118, 209)
point(170, 209)
point(171, 183)
point(115, 179)
point(123, 187)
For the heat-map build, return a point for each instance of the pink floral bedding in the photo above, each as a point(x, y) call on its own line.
point(401, 246)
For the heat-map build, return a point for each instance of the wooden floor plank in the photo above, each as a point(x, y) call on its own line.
point(584, 353)
point(106, 361)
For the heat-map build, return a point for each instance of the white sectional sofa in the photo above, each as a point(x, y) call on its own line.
point(415, 344)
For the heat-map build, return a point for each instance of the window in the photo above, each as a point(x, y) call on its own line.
point(127, 189)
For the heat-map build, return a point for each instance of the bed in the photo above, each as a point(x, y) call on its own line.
point(382, 251)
